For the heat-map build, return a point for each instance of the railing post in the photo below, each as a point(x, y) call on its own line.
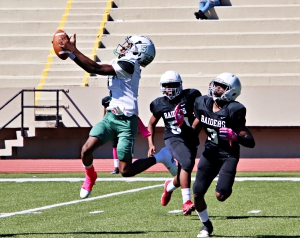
point(57, 108)
point(22, 114)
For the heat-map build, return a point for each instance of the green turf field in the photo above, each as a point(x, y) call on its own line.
point(132, 209)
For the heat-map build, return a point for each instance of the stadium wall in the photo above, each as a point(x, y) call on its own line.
point(275, 128)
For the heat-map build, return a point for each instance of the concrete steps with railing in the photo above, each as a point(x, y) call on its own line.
point(36, 22)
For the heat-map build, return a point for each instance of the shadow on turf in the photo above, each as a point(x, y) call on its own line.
point(127, 233)
point(81, 233)
point(246, 217)
point(75, 233)
point(130, 232)
point(261, 236)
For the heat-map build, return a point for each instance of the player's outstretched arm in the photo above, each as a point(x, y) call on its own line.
point(83, 61)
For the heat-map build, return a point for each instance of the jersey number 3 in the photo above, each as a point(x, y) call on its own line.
point(212, 136)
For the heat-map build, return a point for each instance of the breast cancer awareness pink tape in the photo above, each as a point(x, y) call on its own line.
point(179, 115)
point(142, 129)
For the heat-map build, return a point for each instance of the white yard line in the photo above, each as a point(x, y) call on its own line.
point(137, 179)
point(22, 180)
point(77, 201)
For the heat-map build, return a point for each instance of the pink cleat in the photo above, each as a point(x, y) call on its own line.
point(166, 196)
point(188, 207)
point(89, 182)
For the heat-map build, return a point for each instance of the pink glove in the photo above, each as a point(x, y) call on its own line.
point(227, 134)
point(179, 115)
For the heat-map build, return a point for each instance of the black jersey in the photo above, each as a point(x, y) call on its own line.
point(232, 115)
point(162, 107)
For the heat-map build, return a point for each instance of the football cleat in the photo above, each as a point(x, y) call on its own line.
point(188, 207)
point(164, 156)
point(206, 229)
point(116, 171)
point(88, 184)
point(166, 196)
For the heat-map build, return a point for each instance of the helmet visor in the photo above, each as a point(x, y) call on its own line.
point(171, 90)
point(217, 89)
point(122, 49)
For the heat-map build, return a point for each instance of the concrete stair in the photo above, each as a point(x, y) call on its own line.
point(188, 26)
point(243, 32)
point(179, 3)
point(212, 39)
point(18, 142)
point(36, 22)
point(280, 52)
point(256, 40)
point(186, 12)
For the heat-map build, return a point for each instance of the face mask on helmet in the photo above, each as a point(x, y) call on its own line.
point(225, 87)
point(171, 84)
point(138, 47)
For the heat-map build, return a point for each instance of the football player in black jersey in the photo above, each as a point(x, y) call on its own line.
point(224, 121)
point(176, 109)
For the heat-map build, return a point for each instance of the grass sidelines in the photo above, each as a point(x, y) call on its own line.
point(132, 209)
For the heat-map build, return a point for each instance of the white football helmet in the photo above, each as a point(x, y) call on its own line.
point(139, 47)
point(170, 77)
point(232, 84)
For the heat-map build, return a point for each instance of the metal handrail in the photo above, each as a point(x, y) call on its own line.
point(35, 106)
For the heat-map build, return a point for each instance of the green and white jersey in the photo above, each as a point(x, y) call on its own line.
point(124, 85)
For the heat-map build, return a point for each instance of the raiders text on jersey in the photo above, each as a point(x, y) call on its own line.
point(212, 122)
point(169, 115)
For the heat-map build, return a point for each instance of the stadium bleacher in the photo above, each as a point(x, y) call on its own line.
point(258, 41)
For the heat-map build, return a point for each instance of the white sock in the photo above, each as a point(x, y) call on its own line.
point(88, 167)
point(171, 187)
point(203, 215)
point(116, 163)
point(186, 194)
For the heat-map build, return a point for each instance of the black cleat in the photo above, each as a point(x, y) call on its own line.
point(206, 229)
point(116, 171)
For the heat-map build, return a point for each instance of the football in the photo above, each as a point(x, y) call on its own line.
point(62, 54)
